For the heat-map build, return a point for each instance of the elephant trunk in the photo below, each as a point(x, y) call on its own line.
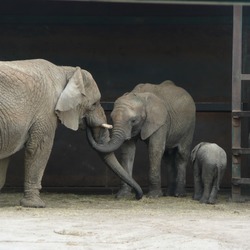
point(115, 166)
point(112, 145)
point(102, 136)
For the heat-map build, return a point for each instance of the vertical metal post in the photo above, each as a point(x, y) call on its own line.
point(236, 97)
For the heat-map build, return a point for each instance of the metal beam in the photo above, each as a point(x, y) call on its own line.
point(236, 102)
point(237, 55)
point(183, 2)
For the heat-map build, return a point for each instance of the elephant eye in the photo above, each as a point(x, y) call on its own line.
point(93, 106)
point(133, 121)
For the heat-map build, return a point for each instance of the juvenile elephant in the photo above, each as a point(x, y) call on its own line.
point(209, 164)
point(33, 95)
point(163, 115)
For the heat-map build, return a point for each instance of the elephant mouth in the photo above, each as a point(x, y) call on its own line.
point(88, 122)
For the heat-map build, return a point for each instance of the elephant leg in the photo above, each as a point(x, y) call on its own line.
point(37, 152)
point(156, 148)
point(213, 195)
point(216, 186)
point(127, 161)
point(206, 192)
point(181, 161)
point(207, 178)
point(197, 182)
point(3, 170)
point(169, 157)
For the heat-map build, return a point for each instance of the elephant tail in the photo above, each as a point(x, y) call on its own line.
point(195, 150)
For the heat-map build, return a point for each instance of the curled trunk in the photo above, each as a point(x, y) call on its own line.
point(110, 159)
point(107, 147)
point(115, 166)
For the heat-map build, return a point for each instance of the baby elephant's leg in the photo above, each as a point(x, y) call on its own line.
point(213, 195)
point(206, 193)
point(207, 177)
point(197, 182)
point(216, 184)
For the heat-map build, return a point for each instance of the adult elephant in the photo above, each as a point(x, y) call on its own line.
point(162, 115)
point(33, 95)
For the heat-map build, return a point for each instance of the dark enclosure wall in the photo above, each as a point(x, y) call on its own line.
point(123, 45)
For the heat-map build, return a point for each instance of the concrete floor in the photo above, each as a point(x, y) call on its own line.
point(74, 221)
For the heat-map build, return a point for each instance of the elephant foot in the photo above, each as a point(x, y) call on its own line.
point(197, 197)
point(124, 192)
point(32, 200)
point(170, 189)
point(155, 193)
point(212, 200)
point(180, 192)
point(204, 200)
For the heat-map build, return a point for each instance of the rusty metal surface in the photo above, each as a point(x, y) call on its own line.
point(238, 95)
point(237, 59)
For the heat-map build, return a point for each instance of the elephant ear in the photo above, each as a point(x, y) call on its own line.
point(156, 114)
point(70, 98)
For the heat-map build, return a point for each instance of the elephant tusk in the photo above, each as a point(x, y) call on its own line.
point(108, 126)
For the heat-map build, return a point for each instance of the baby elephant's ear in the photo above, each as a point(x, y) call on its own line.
point(156, 114)
point(70, 98)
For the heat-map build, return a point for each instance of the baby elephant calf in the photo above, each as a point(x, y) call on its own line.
point(209, 164)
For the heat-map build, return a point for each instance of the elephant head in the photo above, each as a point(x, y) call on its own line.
point(80, 98)
point(133, 114)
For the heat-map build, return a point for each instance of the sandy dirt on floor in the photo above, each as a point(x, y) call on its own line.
point(74, 221)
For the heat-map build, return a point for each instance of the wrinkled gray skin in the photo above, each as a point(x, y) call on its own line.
point(209, 165)
point(164, 117)
point(33, 95)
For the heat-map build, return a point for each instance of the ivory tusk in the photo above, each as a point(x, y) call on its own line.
point(108, 126)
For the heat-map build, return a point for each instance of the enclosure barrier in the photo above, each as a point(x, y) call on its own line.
point(237, 107)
